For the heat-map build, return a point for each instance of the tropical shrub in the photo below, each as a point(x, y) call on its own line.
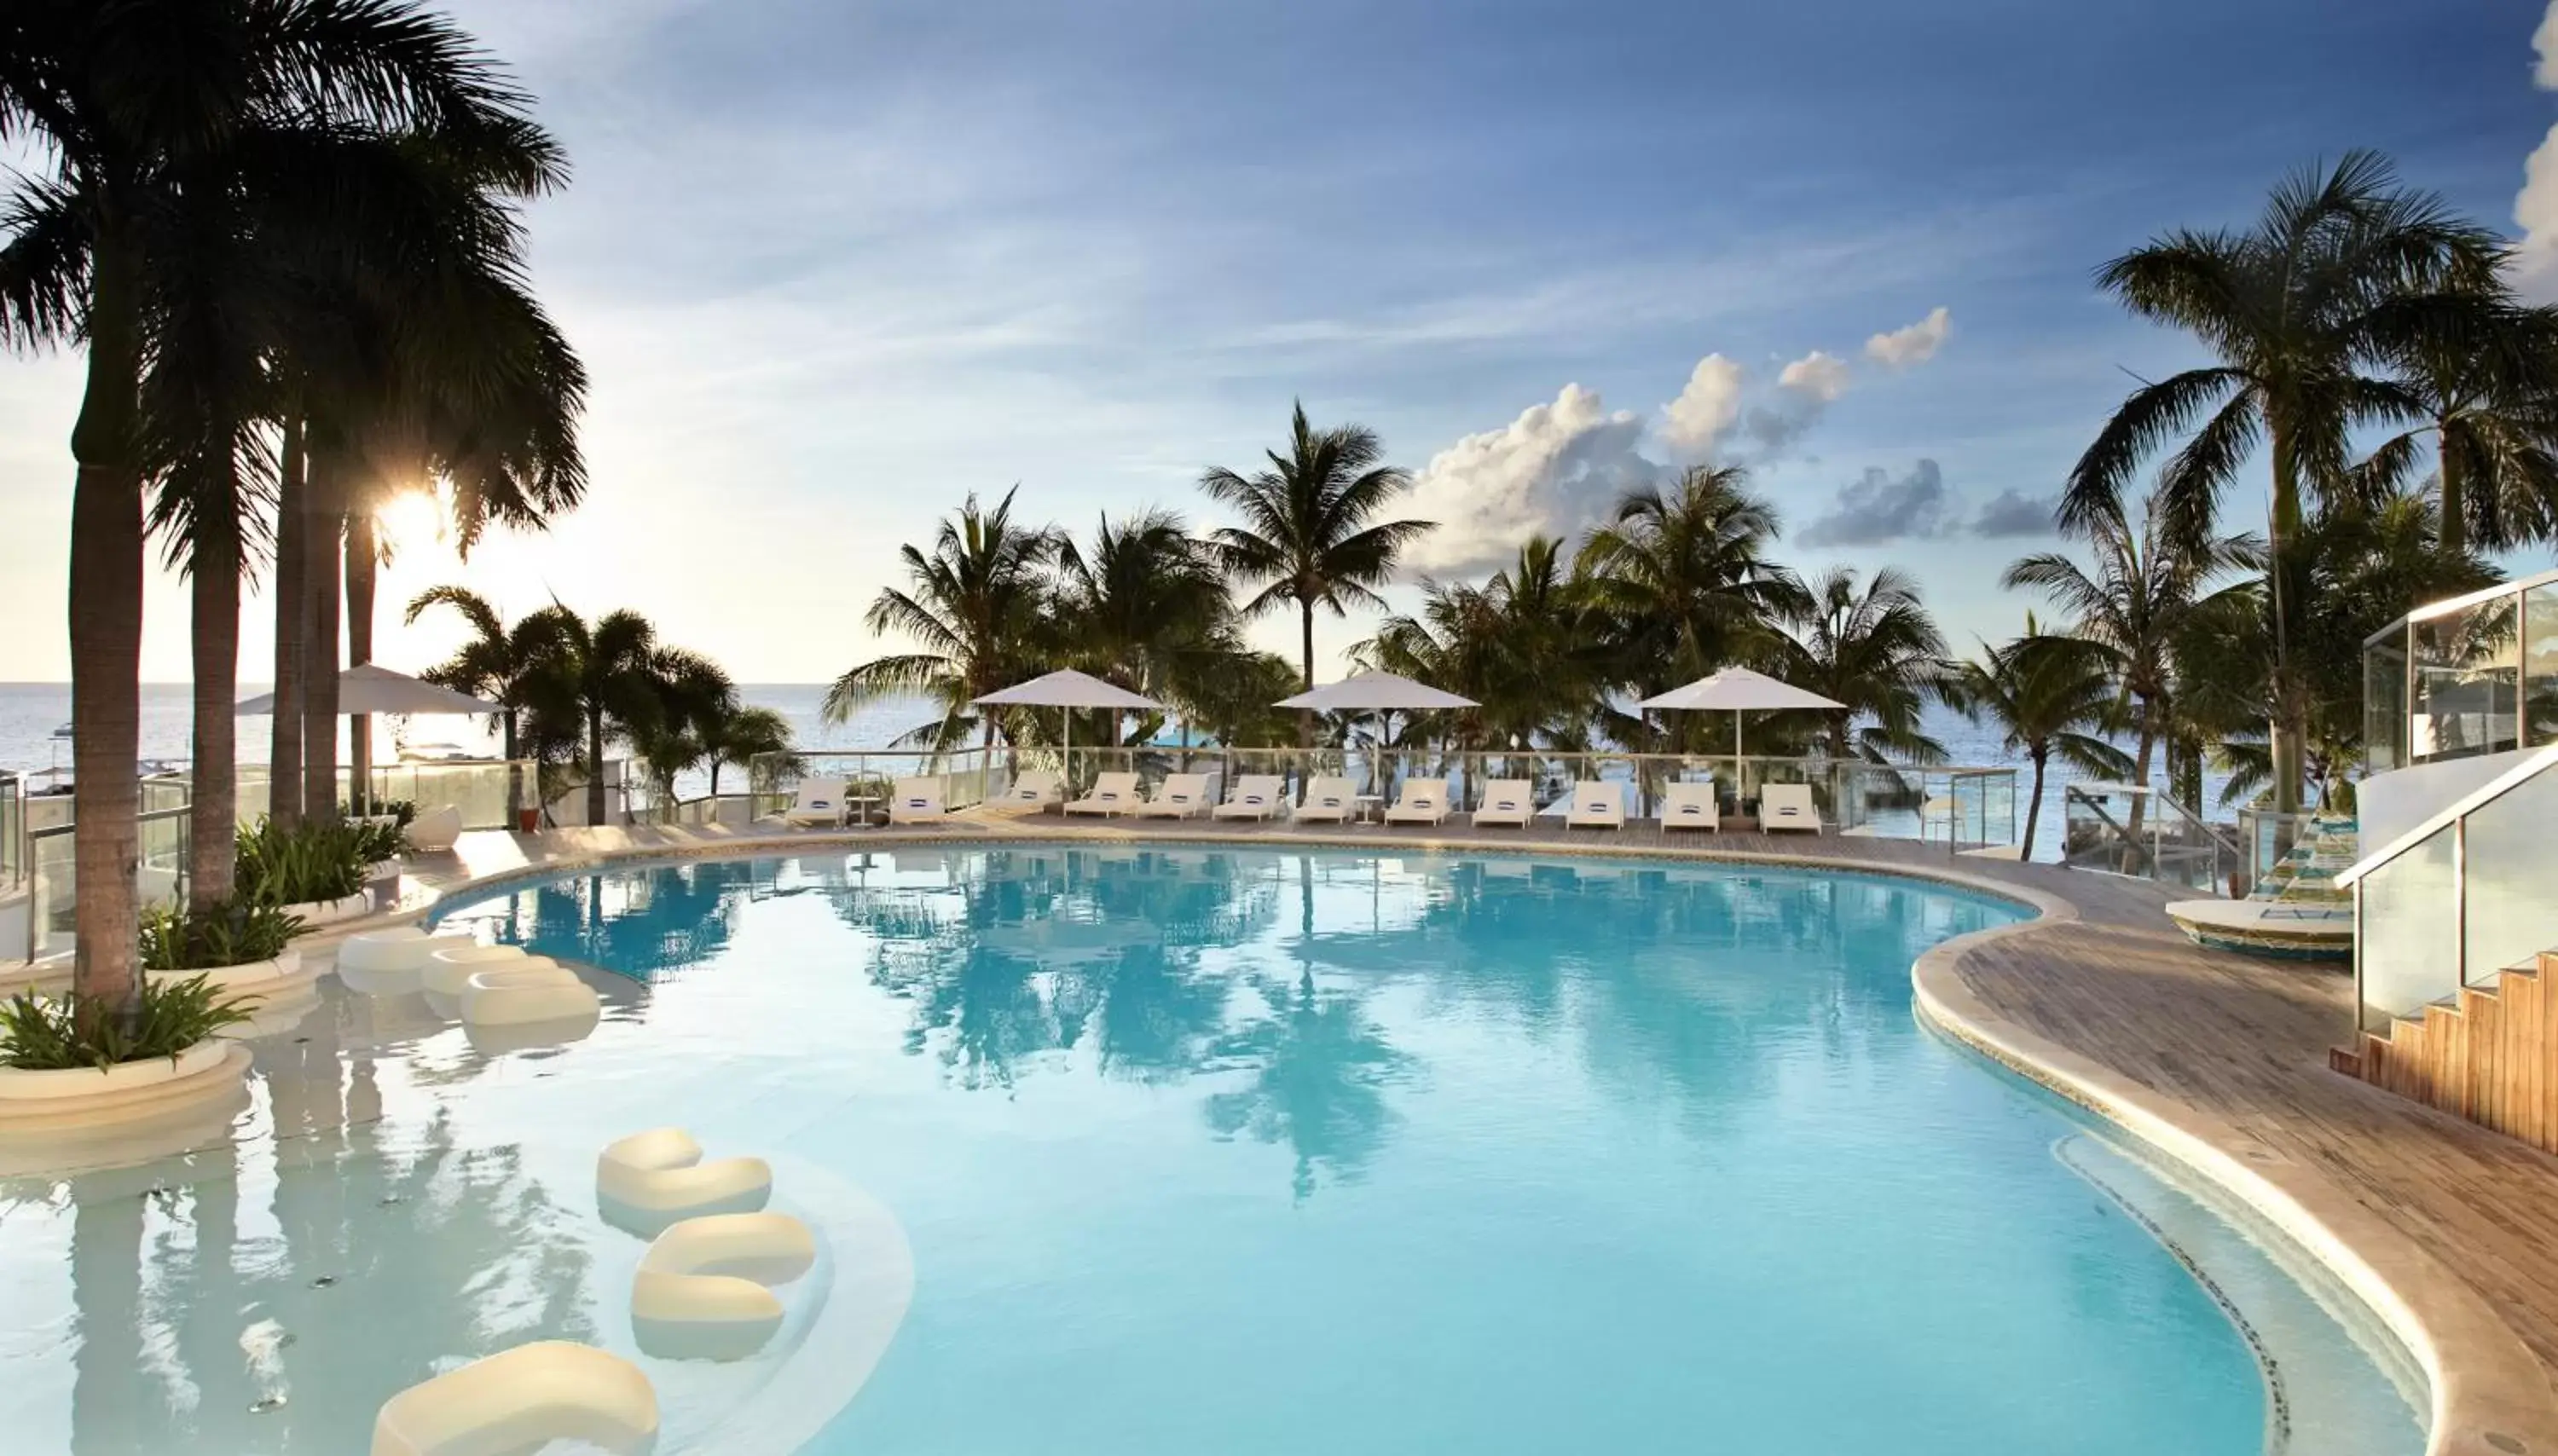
point(207, 937)
point(67, 1032)
point(306, 862)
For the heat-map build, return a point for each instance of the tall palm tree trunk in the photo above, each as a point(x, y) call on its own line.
point(2288, 733)
point(292, 610)
point(364, 567)
point(214, 810)
point(324, 531)
point(105, 609)
point(2453, 535)
point(594, 767)
point(1306, 715)
point(2034, 804)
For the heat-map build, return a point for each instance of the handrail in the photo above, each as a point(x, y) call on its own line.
point(2442, 819)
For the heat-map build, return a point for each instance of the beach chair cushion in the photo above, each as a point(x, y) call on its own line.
point(1034, 790)
point(1788, 807)
point(1112, 793)
point(1332, 799)
point(1256, 796)
point(820, 801)
point(1423, 801)
point(1690, 806)
point(1508, 801)
point(914, 800)
point(1596, 805)
point(1178, 796)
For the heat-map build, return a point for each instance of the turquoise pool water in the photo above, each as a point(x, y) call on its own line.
point(1217, 1151)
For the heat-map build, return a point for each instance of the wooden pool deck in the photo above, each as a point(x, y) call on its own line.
point(2450, 1232)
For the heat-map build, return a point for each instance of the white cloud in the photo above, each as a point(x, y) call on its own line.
point(2535, 269)
point(1816, 376)
point(1915, 344)
point(1692, 423)
point(1554, 469)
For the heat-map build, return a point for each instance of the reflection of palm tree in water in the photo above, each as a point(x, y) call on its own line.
point(1320, 1069)
point(387, 1261)
point(666, 919)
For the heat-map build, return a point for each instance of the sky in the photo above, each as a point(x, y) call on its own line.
point(835, 265)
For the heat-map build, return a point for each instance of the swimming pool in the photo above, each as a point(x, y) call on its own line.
point(1203, 1149)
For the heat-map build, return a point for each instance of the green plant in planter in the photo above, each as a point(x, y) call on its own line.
point(310, 861)
point(66, 1032)
point(211, 935)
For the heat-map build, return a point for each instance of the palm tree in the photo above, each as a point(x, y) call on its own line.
point(973, 607)
point(2485, 386)
point(2334, 281)
point(1147, 607)
point(1311, 534)
point(135, 113)
point(1684, 579)
point(2146, 588)
point(741, 735)
point(2050, 696)
point(1526, 645)
point(1876, 650)
point(614, 680)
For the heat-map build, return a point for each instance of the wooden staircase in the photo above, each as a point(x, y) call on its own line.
point(2490, 1055)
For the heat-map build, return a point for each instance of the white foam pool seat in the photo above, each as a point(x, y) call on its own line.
point(399, 951)
point(1596, 804)
point(1690, 804)
point(435, 831)
point(649, 1180)
point(1507, 802)
point(1178, 796)
point(916, 801)
point(1112, 793)
point(449, 969)
point(1423, 801)
point(520, 995)
point(704, 1289)
point(1328, 801)
point(1256, 796)
point(523, 1399)
point(1033, 793)
point(820, 801)
point(1787, 807)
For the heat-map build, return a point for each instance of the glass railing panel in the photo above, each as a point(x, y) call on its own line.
point(2408, 943)
point(2540, 664)
point(2510, 879)
point(2384, 703)
point(2467, 680)
point(13, 832)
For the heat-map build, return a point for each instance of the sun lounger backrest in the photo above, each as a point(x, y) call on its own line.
point(915, 793)
point(1423, 793)
point(819, 796)
point(1693, 799)
point(1258, 789)
point(1509, 795)
point(1329, 793)
point(1031, 788)
point(1115, 786)
point(1182, 788)
point(1787, 800)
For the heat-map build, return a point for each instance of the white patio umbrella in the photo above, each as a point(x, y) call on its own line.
point(365, 691)
point(1379, 693)
point(1067, 688)
point(1737, 691)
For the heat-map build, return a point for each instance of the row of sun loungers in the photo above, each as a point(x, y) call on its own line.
point(1508, 803)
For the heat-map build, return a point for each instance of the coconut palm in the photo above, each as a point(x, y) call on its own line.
point(740, 734)
point(1878, 652)
point(1684, 580)
point(614, 680)
point(2145, 588)
point(973, 607)
point(1526, 645)
point(1146, 607)
point(133, 111)
point(1311, 534)
point(2484, 385)
point(2336, 280)
point(2051, 697)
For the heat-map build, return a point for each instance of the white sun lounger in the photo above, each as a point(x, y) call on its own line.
point(1423, 801)
point(821, 800)
point(1690, 805)
point(1596, 804)
point(1033, 793)
point(1328, 801)
point(1178, 796)
point(915, 801)
point(1787, 807)
point(1508, 801)
point(1112, 793)
point(1256, 796)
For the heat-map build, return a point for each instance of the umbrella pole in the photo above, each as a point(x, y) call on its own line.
point(1741, 769)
